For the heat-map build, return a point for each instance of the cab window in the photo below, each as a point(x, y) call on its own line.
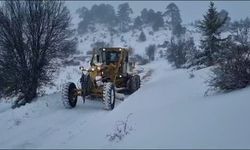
point(112, 57)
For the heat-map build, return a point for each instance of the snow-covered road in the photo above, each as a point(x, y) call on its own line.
point(169, 111)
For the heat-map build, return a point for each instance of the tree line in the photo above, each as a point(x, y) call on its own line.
point(121, 20)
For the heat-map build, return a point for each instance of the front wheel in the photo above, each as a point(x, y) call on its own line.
point(69, 97)
point(109, 96)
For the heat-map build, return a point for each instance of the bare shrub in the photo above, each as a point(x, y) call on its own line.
point(122, 129)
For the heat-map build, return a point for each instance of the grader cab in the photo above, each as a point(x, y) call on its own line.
point(110, 72)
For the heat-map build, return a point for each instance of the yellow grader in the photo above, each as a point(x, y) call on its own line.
point(110, 73)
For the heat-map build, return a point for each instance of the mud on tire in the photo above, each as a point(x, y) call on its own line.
point(109, 96)
point(68, 98)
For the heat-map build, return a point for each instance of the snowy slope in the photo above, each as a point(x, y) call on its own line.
point(128, 39)
point(168, 111)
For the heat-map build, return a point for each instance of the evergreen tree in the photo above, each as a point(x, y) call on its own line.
point(173, 12)
point(150, 52)
point(233, 71)
point(181, 52)
point(144, 16)
point(102, 14)
point(174, 19)
point(161, 54)
point(176, 52)
point(158, 21)
point(142, 37)
point(138, 23)
point(84, 15)
point(211, 41)
point(123, 16)
point(152, 18)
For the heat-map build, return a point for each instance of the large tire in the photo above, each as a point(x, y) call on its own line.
point(68, 98)
point(138, 81)
point(109, 95)
point(134, 83)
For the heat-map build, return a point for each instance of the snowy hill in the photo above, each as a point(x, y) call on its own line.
point(101, 34)
point(168, 111)
point(128, 39)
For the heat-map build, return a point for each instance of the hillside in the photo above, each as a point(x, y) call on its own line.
point(168, 111)
point(195, 76)
point(71, 72)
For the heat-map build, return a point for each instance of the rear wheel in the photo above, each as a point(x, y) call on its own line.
point(69, 97)
point(134, 83)
point(109, 95)
point(138, 81)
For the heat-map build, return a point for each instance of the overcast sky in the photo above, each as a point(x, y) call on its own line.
point(190, 10)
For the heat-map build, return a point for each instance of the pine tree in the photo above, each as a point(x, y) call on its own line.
point(181, 52)
point(104, 14)
point(176, 52)
point(173, 12)
point(101, 14)
point(142, 37)
point(138, 23)
point(84, 15)
point(123, 16)
point(152, 18)
point(211, 41)
point(150, 52)
point(233, 71)
point(158, 21)
point(174, 19)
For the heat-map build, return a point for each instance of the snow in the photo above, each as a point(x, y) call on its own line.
point(168, 111)
point(130, 39)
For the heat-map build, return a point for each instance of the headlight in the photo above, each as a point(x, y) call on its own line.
point(98, 68)
point(92, 69)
